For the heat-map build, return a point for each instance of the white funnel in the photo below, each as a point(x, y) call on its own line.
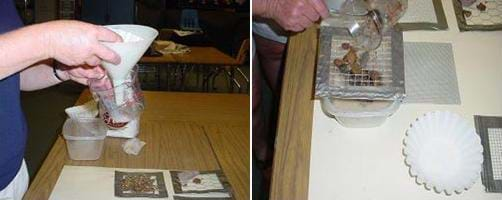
point(137, 39)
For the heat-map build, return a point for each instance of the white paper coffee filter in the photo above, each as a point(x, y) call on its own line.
point(86, 110)
point(443, 152)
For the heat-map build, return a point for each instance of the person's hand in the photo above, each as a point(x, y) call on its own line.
point(296, 15)
point(81, 74)
point(76, 43)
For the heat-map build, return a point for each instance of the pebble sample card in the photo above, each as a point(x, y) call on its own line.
point(423, 15)
point(199, 182)
point(140, 184)
point(478, 14)
point(490, 131)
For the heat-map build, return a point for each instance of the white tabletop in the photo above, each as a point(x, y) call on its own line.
point(369, 164)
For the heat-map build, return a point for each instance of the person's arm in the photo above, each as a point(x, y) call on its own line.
point(20, 49)
point(260, 7)
point(40, 76)
point(292, 15)
point(70, 42)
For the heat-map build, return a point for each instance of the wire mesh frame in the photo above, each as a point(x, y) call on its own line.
point(388, 60)
point(484, 123)
point(378, 61)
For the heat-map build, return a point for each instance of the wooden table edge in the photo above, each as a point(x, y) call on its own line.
point(290, 178)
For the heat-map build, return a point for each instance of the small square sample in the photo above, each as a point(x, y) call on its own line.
point(489, 129)
point(480, 15)
point(203, 182)
point(199, 182)
point(140, 184)
point(423, 15)
point(419, 11)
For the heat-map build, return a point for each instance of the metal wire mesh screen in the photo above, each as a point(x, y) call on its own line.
point(386, 62)
point(379, 61)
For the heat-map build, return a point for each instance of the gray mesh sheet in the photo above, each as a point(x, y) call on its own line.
point(430, 73)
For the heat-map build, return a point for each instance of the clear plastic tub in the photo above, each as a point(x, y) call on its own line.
point(368, 86)
point(84, 138)
point(353, 113)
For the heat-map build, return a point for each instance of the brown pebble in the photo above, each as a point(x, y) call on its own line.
point(467, 13)
point(344, 68)
point(375, 77)
point(345, 46)
point(338, 62)
point(356, 68)
point(350, 57)
point(197, 180)
point(481, 7)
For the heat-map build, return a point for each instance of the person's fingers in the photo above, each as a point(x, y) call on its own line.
point(92, 61)
point(297, 28)
point(100, 69)
point(310, 13)
point(320, 7)
point(107, 35)
point(286, 24)
point(95, 73)
point(304, 22)
point(83, 81)
point(106, 54)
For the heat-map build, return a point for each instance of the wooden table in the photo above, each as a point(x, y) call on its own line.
point(209, 60)
point(197, 55)
point(477, 58)
point(186, 131)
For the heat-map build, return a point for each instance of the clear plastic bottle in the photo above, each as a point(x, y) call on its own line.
point(366, 20)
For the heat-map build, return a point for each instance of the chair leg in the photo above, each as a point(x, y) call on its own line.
point(157, 76)
point(206, 78)
point(245, 78)
point(232, 77)
point(168, 76)
point(197, 76)
point(213, 85)
point(182, 77)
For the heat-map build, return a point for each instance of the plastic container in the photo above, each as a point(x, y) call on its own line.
point(365, 20)
point(132, 101)
point(84, 138)
point(366, 98)
point(364, 31)
point(390, 11)
point(129, 130)
point(359, 113)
